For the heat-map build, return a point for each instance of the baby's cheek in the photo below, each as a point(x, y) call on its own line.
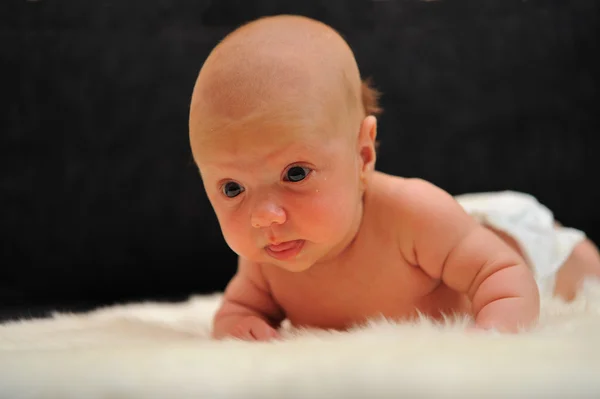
point(234, 234)
point(330, 213)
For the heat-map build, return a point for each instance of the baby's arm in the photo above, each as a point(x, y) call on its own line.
point(451, 246)
point(248, 310)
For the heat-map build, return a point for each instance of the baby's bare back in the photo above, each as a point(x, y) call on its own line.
point(371, 279)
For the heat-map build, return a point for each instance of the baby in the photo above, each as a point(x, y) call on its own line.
point(283, 131)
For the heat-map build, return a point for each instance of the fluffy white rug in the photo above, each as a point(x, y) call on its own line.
point(155, 350)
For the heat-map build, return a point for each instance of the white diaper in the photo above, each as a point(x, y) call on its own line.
point(531, 224)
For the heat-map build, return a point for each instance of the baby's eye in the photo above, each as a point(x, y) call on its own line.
point(232, 189)
point(296, 173)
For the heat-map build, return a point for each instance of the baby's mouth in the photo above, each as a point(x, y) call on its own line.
point(285, 250)
point(282, 246)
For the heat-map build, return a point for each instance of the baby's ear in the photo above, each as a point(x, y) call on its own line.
point(367, 143)
point(370, 101)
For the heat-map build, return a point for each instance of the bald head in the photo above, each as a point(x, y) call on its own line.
point(280, 63)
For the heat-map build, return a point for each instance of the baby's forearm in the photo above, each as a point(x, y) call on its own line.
point(508, 314)
point(508, 300)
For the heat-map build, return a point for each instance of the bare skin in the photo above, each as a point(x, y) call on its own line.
point(286, 150)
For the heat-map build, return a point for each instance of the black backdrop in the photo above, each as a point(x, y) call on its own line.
point(100, 201)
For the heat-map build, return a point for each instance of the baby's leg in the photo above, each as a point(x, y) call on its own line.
point(583, 262)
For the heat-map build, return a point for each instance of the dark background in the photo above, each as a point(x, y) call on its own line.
point(100, 201)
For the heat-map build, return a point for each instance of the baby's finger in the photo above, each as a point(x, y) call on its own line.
point(243, 333)
point(263, 332)
point(273, 333)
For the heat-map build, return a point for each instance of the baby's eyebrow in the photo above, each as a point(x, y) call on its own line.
point(278, 158)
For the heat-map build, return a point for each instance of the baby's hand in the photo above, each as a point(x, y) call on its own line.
point(254, 328)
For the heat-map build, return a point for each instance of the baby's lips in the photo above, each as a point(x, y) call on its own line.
point(282, 246)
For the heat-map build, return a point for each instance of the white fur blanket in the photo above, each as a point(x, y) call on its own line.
point(155, 350)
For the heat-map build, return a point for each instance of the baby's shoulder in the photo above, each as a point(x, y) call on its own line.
point(412, 206)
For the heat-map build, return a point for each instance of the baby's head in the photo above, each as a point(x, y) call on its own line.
point(281, 131)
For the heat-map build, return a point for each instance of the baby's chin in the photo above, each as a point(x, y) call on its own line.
point(296, 265)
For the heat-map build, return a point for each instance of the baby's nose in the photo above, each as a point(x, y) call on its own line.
point(267, 214)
